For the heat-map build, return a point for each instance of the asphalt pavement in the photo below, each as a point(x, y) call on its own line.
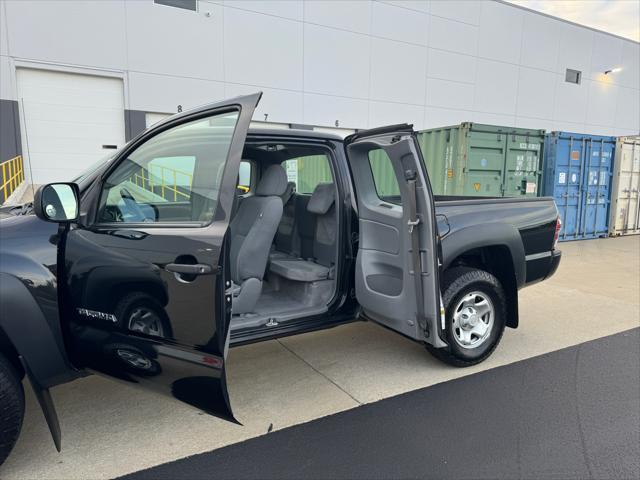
point(109, 429)
point(573, 413)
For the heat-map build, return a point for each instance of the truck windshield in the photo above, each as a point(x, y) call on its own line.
point(91, 169)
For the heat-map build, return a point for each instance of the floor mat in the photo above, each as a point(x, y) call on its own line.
point(573, 413)
point(274, 302)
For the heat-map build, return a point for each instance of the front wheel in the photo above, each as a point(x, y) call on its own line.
point(11, 408)
point(139, 312)
point(475, 306)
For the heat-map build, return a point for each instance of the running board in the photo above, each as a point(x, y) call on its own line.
point(46, 404)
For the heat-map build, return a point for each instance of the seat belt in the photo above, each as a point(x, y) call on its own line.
point(413, 222)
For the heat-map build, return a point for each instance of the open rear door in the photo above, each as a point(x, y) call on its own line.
point(397, 263)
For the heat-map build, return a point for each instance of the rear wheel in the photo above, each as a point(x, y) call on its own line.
point(475, 306)
point(11, 408)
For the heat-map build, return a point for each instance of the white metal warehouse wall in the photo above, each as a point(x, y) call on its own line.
point(360, 63)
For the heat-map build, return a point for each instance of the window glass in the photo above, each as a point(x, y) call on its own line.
point(384, 177)
point(573, 76)
point(174, 177)
point(244, 176)
point(91, 169)
point(307, 172)
point(186, 4)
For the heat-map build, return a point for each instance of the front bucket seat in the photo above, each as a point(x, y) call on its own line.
point(252, 231)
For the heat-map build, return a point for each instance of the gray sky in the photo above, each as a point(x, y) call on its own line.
point(620, 17)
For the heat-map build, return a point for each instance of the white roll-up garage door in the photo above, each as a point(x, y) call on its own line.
point(68, 122)
point(152, 118)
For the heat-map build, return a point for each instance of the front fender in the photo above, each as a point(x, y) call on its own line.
point(26, 327)
point(486, 235)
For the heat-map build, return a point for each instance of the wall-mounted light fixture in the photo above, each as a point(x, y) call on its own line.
point(613, 70)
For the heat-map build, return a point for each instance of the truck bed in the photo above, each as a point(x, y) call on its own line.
point(529, 215)
point(534, 219)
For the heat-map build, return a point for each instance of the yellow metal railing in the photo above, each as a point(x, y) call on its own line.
point(163, 181)
point(12, 176)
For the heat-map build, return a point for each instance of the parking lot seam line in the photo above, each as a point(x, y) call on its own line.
point(583, 443)
point(320, 373)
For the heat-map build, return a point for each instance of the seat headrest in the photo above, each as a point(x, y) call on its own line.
point(322, 198)
point(286, 196)
point(273, 182)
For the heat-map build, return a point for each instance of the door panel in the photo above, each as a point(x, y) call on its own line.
point(146, 291)
point(385, 284)
point(567, 186)
point(596, 187)
point(485, 165)
point(626, 209)
point(523, 167)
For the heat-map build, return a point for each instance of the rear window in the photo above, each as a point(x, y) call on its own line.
point(307, 172)
point(384, 177)
point(245, 176)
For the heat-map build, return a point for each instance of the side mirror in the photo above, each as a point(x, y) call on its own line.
point(57, 202)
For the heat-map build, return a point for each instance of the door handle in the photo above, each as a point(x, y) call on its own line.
point(130, 234)
point(189, 269)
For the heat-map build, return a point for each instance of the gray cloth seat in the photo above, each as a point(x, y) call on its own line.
point(288, 192)
point(285, 235)
point(320, 267)
point(298, 269)
point(252, 231)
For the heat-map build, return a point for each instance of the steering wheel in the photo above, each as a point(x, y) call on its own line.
point(130, 204)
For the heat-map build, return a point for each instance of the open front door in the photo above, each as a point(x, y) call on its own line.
point(145, 276)
point(397, 233)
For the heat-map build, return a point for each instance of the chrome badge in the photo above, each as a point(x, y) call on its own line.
point(99, 315)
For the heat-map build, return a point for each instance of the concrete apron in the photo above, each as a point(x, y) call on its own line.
point(111, 429)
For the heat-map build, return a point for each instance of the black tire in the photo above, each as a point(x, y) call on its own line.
point(132, 301)
point(457, 283)
point(11, 408)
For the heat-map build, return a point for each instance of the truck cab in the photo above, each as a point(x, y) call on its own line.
point(201, 234)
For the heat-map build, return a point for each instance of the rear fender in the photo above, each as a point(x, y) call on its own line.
point(491, 235)
point(486, 235)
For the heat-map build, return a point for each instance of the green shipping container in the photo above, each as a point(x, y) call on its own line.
point(312, 170)
point(483, 160)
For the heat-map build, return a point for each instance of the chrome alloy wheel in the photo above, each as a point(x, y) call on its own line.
point(134, 359)
point(145, 320)
point(472, 320)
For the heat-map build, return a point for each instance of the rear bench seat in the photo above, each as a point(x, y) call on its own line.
point(320, 267)
point(286, 235)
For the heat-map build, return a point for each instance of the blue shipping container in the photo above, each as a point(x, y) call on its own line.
point(578, 171)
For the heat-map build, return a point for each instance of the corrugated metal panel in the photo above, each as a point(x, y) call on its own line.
point(312, 170)
point(439, 145)
point(483, 160)
point(625, 207)
point(523, 165)
point(578, 175)
point(385, 180)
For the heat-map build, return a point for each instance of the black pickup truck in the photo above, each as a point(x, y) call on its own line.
point(202, 234)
